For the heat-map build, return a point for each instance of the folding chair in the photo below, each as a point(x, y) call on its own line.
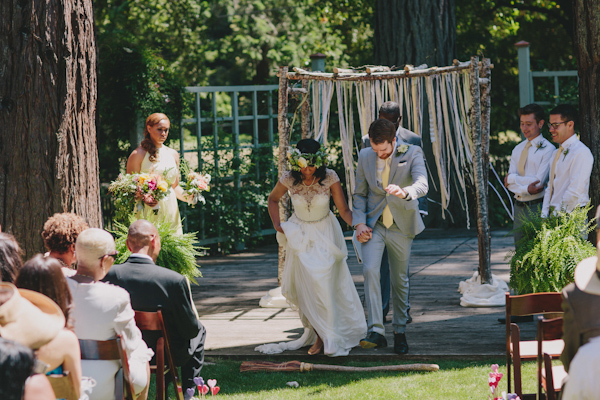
point(153, 322)
point(62, 385)
point(549, 377)
point(517, 350)
point(110, 350)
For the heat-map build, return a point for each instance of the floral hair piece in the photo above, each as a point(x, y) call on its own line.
point(300, 160)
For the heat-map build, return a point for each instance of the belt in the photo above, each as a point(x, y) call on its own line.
point(529, 203)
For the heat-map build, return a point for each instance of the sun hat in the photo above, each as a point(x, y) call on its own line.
point(28, 317)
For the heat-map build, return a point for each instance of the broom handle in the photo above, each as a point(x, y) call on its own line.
point(306, 367)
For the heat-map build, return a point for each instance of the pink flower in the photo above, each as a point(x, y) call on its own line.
point(148, 198)
point(152, 184)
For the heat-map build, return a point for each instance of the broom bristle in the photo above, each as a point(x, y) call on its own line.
point(269, 366)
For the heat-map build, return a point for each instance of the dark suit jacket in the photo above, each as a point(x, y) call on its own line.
point(152, 287)
point(581, 320)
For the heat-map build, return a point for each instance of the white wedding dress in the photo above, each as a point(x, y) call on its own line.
point(316, 280)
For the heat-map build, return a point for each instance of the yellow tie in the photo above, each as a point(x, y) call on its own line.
point(523, 158)
point(388, 219)
point(553, 170)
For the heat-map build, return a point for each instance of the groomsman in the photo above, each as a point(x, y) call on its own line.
point(529, 167)
point(569, 183)
point(390, 110)
point(390, 177)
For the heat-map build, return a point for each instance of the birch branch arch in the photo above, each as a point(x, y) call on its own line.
point(458, 105)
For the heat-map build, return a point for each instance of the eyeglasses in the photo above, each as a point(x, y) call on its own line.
point(556, 124)
point(114, 255)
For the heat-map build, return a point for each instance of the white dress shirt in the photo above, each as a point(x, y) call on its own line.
point(537, 168)
point(583, 382)
point(571, 184)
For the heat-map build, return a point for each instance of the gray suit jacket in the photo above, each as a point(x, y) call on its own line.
point(407, 171)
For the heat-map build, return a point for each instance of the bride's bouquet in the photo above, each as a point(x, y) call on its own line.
point(133, 190)
point(195, 183)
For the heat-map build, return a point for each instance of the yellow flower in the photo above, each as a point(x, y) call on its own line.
point(302, 163)
point(143, 178)
point(163, 186)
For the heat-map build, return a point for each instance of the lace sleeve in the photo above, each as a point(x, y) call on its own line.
point(331, 177)
point(287, 179)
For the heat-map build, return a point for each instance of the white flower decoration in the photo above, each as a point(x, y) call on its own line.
point(302, 163)
point(401, 149)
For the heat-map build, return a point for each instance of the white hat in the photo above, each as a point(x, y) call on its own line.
point(28, 317)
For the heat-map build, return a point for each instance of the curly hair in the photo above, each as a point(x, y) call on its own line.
point(61, 231)
point(10, 257)
point(147, 144)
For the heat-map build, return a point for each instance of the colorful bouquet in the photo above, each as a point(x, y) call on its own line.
point(131, 190)
point(196, 183)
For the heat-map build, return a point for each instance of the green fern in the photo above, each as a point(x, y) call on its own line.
point(177, 253)
point(546, 257)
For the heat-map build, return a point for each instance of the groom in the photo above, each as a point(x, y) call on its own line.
point(390, 177)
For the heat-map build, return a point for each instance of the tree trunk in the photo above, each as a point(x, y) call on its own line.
point(587, 49)
point(48, 153)
point(415, 32)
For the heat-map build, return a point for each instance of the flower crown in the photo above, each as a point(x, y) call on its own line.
point(300, 160)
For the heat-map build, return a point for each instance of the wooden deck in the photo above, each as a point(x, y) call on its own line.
point(227, 300)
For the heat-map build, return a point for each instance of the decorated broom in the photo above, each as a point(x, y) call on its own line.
point(295, 366)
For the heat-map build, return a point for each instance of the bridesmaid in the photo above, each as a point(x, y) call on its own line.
point(153, 156)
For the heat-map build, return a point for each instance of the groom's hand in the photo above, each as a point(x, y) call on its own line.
point(363, 233)
point(396, 191)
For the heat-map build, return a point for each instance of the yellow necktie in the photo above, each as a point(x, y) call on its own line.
point(388, 219)
point(553, 170)
point(523, 158)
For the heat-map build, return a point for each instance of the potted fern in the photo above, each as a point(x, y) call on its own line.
point(546, 257)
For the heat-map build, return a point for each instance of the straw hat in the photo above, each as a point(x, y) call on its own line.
point(28, 317)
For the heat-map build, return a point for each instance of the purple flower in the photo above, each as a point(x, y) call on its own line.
point(191, 391)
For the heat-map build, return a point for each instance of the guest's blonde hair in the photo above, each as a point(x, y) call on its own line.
point(91, 245)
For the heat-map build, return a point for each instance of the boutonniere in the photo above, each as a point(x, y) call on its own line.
point(401, 149)
point(540, 145)
point(565, 152)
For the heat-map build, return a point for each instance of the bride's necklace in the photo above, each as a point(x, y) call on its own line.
point(313, 181)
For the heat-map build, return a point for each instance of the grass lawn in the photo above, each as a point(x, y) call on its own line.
point(458, 380)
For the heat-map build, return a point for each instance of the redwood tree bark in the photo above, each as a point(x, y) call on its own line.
point(586, 15)
point(415, 32)
point(48, 152)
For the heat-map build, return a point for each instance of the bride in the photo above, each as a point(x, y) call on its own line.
point(316, 279)
point(153, 156)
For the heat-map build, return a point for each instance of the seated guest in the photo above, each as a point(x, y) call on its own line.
point(10, 257)
point(17, 380)
point(582, 382)
point(581, 301)
point(59, 234)
point(31, 320)
point(62, 354)
point(103, 311)
point(152, 287)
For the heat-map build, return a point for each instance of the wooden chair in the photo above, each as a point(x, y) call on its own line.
point(517, 350)
point(153, 322)
point(111, 350)
point(549, 378)
point(62, 385)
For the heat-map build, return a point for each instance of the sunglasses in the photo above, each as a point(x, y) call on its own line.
point(114, 255)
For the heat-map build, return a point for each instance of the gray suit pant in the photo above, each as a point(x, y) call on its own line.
point(398, 248)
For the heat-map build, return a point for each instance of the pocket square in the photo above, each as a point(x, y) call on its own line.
point(402, 164)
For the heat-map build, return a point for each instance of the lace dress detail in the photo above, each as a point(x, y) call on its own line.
point(316, 280)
